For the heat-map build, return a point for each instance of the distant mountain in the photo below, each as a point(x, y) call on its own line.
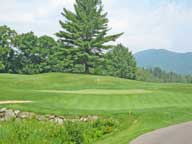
point(169, 61)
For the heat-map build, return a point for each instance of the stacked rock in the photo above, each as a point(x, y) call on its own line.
point(9, 114)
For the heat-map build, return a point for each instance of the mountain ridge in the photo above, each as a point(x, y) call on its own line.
point(180, 63)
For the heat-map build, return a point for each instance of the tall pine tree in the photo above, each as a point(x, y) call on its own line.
point(84, 33)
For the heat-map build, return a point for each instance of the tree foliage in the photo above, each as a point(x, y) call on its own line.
point(34, 53)
point(7, 38)
point(120, 62)
point(1, 65)
point(159, 75)
point(84, 33)
point(26, 45)
point(25, 53)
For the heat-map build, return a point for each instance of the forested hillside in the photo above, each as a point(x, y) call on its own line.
point(166, 60)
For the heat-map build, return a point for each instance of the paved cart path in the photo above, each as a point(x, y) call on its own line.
point(177, 134)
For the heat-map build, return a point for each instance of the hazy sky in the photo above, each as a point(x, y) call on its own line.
point(147, 24)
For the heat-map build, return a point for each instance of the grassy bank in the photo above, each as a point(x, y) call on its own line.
point(138, 106)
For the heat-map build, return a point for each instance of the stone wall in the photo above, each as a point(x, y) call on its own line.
point(10, 114)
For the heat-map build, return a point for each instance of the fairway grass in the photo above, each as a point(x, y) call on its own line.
point(138, 106)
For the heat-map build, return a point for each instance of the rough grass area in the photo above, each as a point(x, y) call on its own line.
point(138, 106)
point(36, 132)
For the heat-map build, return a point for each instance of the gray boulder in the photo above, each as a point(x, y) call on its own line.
point(9, 114)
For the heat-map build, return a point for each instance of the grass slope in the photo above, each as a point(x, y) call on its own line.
point(139, 106)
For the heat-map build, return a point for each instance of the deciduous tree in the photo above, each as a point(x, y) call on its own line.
point(7, 38)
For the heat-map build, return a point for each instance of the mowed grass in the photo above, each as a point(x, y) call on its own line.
point(139, 106)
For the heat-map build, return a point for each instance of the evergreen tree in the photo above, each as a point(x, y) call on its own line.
point(158, 75)
point(84, 33)
point(121, 63)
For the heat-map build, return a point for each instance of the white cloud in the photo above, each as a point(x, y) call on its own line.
point(62, 2)
point(167, 26)
point(164, 24)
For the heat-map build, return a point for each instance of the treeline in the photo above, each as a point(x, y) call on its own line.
point(29, 54)
point(159, 75)
point(25, 53)
point(83, 46)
